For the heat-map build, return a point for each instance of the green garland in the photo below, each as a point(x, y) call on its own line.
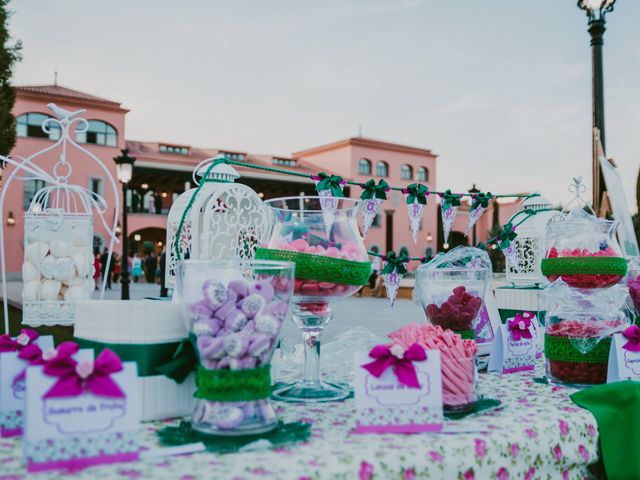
point(584, 265)
point(321, 268)
point(562, 349)
point(233, 385)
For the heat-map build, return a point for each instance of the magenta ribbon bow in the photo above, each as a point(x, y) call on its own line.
point(26, 337)
point(520, 326)
point(632, 334)
point(32, 354)
point(76, 378)
point(403, 366)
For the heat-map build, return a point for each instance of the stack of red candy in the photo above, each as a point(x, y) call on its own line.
point(457, 312)
point(634, 292)
point(584, 332)
point(594, 280)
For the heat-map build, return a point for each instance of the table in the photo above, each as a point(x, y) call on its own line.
point(537, 433)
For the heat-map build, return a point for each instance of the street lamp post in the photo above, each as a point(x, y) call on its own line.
point(124, 171)
point(596, 11)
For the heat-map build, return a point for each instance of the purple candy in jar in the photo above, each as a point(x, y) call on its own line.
point(227, 417)
point(235, 320)
point(210, 364)
point(200, 311)
point(265, 411)
point(252, 305)
point(225, 363)
point(249, 409)
point(263, 288)
point(260, 343)
point(267, 324)
point(240, 287)
point(214, 293)
point(225, 310)
point(278, 310)
point(210, 327)
point(236, 344)
point(211, 347)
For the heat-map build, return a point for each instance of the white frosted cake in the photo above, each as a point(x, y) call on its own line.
point(143, 323)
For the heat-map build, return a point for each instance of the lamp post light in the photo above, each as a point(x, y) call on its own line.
point(124, 171)
point(596, 11)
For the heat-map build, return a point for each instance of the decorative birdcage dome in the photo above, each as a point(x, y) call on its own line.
point(530, 243)
point(217, 219)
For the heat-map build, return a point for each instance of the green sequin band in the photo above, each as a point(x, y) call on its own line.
point(561, 349)
point(321, 268)
point(233, 385)
point(584, 265)
point(466, 334)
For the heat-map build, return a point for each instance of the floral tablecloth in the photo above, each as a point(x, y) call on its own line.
point(536, 433)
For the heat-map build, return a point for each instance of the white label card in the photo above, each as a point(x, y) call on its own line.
point(623, 364)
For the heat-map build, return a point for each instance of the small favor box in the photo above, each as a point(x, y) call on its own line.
point(74, 432)
point(624, 356)
point(487, 324)
point(385, 405)
point(13, 388)
point(515, 346)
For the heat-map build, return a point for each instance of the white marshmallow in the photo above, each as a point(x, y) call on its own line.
point(48, 266)
point(31, 291)
point(76, 292)
point(80, 240)
point(64, 269)
point(36, 252)
point(60, 248)
point(30, 272)
point(49, 290)
point(82, 263)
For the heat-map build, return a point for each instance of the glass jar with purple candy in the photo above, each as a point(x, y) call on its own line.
point(234, 310)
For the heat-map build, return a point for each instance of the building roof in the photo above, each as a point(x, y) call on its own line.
point(365, 142)
point(52, 92)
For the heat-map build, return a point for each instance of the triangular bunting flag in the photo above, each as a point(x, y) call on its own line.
point(330, 188)
point(474, 216)
point(370, 208)
point(449, 207)
point(415, 210)
point(479, 203)
point(392, 285)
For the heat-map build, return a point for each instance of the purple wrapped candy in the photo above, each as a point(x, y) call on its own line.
point(228, 417)
point(210, 347)
point(225, 310)
point(240, 287)
point(224, 363)
point(210, 364)
point(278, 310)
point(263, 288)
point(200, 311)
point(249, 408)
point(214, 293)
point(252, 305)
point(265, 411)
point(236, 344)
point(210, 327)
point(259, 344)
point(267, 324)
point(235, 321)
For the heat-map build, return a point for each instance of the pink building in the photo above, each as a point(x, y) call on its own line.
point(163, 170)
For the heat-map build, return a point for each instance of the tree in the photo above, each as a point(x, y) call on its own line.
point(9, 55)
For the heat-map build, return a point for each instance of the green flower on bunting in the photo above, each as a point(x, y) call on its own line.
point(370, 190)
point(330, 182)
point(506, 236)
point(395, 263)
point(417, 192)
point(451, 199)
point(481, 200)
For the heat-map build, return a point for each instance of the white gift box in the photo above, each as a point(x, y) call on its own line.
point(144, 323)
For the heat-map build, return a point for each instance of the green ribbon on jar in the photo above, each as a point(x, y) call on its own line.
point(321, 268)
point(233, 385)
point(562, 349)
point(584, 266)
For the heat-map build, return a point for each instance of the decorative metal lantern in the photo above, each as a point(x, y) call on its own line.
point(529, 244)
point(58, 262)
point(217, 219)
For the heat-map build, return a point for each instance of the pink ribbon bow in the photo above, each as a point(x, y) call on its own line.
point(32, 354)
point(520, 326)
point(402, 362)
point(76, 378)
point(632, 334)
point(26, 337)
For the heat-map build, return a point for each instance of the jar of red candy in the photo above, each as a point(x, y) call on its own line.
point(579, 324)
point(451, 289)
point(583, 251)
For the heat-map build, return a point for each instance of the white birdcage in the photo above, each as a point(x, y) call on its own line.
point(529, 243)
point(58, 262)
point(58, 228)
point(218, 219)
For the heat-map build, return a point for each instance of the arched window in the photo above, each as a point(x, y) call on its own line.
point(364, 166)
point(423, 174)
point(406, 172)
point(30, 125)
point(382, 169)
point(99, 133)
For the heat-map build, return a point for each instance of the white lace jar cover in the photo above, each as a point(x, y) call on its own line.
point(224, 219)
point(58, 265)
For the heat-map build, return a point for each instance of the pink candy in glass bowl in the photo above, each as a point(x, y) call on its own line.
point(583, 251)
point(331, 262)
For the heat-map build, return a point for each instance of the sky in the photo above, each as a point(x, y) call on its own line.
point(499, 89)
